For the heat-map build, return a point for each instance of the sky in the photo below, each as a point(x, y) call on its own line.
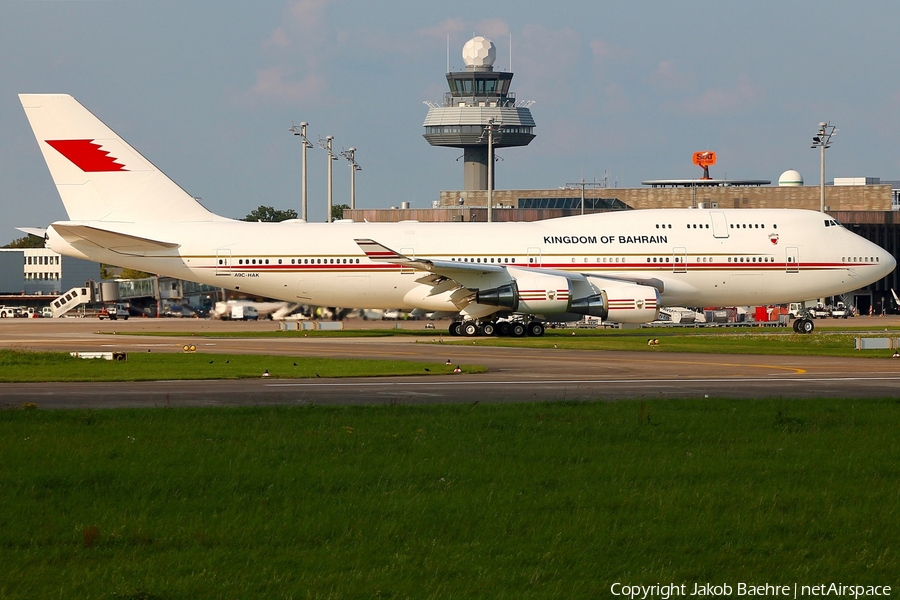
point(622, 91)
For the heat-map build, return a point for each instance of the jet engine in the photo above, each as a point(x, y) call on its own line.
point(546, 294)
point(529, 293)
point(618, 301)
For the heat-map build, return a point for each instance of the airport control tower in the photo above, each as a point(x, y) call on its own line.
point(477, 95)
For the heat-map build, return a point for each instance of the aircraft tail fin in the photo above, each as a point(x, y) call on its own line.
point(98, 175)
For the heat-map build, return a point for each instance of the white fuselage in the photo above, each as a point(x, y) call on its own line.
point(694, 257)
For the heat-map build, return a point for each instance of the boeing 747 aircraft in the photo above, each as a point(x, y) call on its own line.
point(497, 277)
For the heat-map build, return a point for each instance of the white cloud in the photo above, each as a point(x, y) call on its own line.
point(298, 40)
point(440, 31)
point(667, 76)
point(717, 101)
point(548, 58)
point(493, 29)
point(281, 84)
point(605, 52)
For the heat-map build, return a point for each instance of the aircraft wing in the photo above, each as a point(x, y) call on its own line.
point(576, 276)
point(445, 274)
point(121, 243)
point(446, 268)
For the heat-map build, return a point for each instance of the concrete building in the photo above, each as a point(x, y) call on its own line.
point(41, 272)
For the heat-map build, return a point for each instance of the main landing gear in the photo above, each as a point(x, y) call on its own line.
point(804, 325)
point(474, 328)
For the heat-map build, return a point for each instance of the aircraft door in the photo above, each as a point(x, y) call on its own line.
point(679, 258)
point(223, 262)
point(792, 259)
point(719, 223)
point(534, 257)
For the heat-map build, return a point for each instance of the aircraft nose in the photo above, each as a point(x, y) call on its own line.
point(887, 261)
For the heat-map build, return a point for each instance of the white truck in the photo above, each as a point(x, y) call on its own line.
point(113, 312)
point(7, 312)
point(840, 311)
point(229, 311)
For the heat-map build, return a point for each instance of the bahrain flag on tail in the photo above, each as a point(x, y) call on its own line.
point(87, 155)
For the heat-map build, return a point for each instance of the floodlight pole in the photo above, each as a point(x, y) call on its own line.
point(301, 131)
point(327, 145)
point(489, 129)
point(822, 140)
point(822, 178)
point(582, 196)
point(350, 155)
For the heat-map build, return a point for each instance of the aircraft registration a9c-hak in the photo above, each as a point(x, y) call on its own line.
point(497, 277)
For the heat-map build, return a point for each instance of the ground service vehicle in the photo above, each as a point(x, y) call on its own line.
point(113, 312)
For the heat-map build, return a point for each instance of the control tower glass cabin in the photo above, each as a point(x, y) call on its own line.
point(476, 95)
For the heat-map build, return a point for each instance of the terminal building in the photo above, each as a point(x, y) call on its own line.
point(38, 272)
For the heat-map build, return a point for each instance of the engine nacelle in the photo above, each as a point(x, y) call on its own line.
point(545, 294)
point(530, 293)
point(620, 302)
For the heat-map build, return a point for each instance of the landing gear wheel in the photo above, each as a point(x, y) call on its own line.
point(469, 329)
point(454, 328)
point(488, 328)
point(504, 328)
point(806, 326)
point(517, 330)
point(536, 329)
point(796, 325)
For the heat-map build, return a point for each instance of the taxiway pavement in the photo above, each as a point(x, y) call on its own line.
point(515, 374)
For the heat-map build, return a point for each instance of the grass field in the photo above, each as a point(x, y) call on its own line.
point(480, 501)
point(18, 366)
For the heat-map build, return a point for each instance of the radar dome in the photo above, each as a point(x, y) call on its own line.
point(790, 178)
point(479, 52)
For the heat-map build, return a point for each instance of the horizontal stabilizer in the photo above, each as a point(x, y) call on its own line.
point(121, 243)
point(35, 231)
